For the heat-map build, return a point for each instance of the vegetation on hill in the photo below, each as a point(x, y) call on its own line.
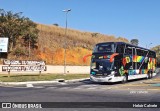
point(52, 38)
point(18, 29)
point(157, 50)
point(49, 41)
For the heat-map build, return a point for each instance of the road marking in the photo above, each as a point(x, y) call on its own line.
point(92, 88)
point(88, 85)
point(154, 89)
point(51, 87)
point(39, 87)
point(29, 85)
point(62, 83)
point(77, 88)
point(64, 88)
point(136, 85)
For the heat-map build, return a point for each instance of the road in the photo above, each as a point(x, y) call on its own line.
point(85, 91)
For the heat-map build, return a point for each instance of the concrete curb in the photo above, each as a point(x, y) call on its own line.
point(41, 82)
point(76, 80)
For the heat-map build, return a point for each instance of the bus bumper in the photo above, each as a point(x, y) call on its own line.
point(105, 79)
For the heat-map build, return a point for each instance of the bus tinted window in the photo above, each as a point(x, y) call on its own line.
point(120, 48)
point(152, 54)
point(140, 52)
point(129, 51)
point(104, 48)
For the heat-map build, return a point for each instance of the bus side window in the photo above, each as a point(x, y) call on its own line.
point(129, 51)
point(134, 53)
point(144, 53)
point(154, 54)
point(120, 48)
point(150, 54)
point(139, 52)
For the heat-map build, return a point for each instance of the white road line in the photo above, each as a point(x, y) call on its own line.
point(64, 88)
point(62, 83)
point(39, 87)
point(77, 88)
point(91, 88)
point(29, 85)
point(51, 87)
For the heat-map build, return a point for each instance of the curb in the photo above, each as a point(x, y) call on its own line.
point(76, 80)
point(41, 82)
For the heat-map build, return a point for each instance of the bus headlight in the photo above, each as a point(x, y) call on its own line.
point(112, 73)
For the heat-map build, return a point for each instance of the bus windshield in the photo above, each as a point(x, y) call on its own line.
point(101, 65)
point(108, 47)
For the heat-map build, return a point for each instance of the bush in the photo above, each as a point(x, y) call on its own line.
point(20, 51)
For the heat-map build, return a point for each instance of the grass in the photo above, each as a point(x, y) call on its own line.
point(43, 77)
point(51, 42)
point(55, 36)
point(78, 44)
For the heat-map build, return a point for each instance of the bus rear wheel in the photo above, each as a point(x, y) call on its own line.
point(149, 75)
point(125, 79)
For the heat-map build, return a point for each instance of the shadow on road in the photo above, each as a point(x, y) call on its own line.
point(87, 81)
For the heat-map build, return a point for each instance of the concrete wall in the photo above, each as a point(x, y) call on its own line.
point(59, 70)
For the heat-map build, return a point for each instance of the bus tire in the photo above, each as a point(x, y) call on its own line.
point(148, 75)
point(151, 75)
point(125, 79)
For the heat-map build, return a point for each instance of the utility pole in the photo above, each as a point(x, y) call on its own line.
point(66, 11)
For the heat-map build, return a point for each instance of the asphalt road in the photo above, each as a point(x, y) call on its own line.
point(85, 91)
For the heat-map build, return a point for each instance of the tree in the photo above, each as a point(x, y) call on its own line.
point(157, 50)
point(55, 24)
point(134, 42)
point(15, 26)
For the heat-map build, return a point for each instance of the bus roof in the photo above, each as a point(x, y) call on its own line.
point(125, 43)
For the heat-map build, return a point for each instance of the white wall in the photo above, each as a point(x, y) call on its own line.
point(59, 70)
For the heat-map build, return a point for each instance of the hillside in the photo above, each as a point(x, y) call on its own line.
point(50, 46)
point(51, 42)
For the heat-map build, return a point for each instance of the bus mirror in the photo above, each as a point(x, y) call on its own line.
point(112, 56)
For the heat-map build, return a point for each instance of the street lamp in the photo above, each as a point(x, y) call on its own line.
point(149, 45)
point(66, 11)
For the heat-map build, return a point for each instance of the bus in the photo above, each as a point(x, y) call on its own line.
point(120, 61)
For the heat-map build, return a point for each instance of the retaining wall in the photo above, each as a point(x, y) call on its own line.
point(59, 70)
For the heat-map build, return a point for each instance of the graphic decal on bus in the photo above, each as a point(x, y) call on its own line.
point(142, 60)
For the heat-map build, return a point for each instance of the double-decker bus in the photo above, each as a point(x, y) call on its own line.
point(119, 61)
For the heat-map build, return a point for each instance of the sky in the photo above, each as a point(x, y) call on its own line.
point(131, 19)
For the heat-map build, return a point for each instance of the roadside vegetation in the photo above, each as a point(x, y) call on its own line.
point(20, 30)
point(157, 50)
